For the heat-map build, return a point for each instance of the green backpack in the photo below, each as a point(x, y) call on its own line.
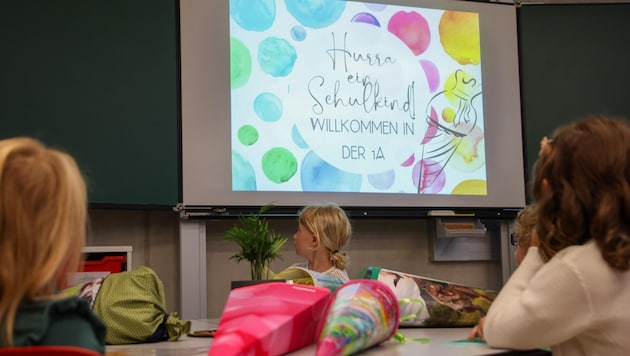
point(132, 307)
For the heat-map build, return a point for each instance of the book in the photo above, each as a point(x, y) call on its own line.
point(432, 302)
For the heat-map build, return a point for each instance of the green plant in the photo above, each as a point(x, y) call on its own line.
point(258, 243)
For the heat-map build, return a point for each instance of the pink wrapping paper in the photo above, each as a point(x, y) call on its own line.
point(360, 314)
point(269, 319)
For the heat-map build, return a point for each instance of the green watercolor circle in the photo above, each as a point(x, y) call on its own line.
point(240, 63)
point(279, 164)
point(247, 135)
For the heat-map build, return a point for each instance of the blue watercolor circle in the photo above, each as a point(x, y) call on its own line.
point(253, 15)
point(268, 107)
point(316, 14)
point(297, 137)
point(319, 176)
point(298, 33)
point(276, 56)
point(243, 174)
point(382, 181)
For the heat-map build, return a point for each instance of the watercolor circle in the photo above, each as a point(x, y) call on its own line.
point(279, 164)
point(316, 14)
point(240, 63)
point(247, 135)
point(243, 174)
point(268, 107)
point(471, 187)
point(459, 35)
point(256, 15)
point(276, 56)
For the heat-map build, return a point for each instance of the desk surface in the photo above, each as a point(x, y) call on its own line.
point(441, 341)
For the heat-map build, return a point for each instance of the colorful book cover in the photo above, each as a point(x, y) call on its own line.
point(431, 302)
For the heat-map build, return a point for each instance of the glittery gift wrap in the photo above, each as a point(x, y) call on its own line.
point(360, 314)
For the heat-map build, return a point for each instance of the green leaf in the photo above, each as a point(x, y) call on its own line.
point(259, 245)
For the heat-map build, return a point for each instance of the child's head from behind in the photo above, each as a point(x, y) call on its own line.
point(582, 188)
point(330, 224)
point(523, 228)
point(42, 218)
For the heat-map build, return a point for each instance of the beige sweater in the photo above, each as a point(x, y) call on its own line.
point(574, 303)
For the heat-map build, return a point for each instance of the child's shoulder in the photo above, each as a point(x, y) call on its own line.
point(588, 251)
point(36, 318)
point(585, 260)
point(338, 273)
point(48, 310)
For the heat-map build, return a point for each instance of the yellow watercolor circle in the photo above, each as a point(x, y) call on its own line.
point(459, 35)
point(471, 187)
point(458, 86)
point(448, 114)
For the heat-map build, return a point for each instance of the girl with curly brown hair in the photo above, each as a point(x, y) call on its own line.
point(572, 290)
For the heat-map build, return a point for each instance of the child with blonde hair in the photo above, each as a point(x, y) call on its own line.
point(524, 226)
point(323, 231)
point(43, 215)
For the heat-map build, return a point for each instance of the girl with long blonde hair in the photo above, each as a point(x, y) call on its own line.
point(43, 215)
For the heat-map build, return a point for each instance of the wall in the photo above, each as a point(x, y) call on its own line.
point(399, 244)
point(154, 236)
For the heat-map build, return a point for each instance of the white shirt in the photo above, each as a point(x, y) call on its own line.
point(332, 271)
point(574, 303)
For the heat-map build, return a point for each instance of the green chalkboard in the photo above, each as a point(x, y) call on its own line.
point(99, 79)
point(575, 61)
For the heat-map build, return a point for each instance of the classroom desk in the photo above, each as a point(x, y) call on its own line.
point(440, 342)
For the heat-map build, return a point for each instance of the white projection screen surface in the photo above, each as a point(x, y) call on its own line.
point(401, 104)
